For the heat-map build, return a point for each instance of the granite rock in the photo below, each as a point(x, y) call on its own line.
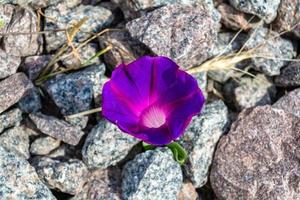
point(125, 49)
point(18, 180)
point(6, 15)
point(188, 192)
point(44, 145)
point(33, 65)
point(31, 102)
point(202, 81)
point(38, 3)
point(12, 89)
point(288, 16)
point(8, 64)
point(136, 8)
point(71, 93)
point(16, 140)
point(74, 92)
point(85, 53)
point(201, 139)
point(61, 151)
point(289, 76)
point(222, 46)
point(10, 118)
point(258, 158)
point(265, 9)
point(269, 44)
point(169, 31)
point(234, 19)
point(57, 128)
point(17, 19)
point(97, 18)
point(102, 184)
point(106, 145)
point(290, 102)
point(250, 92)
point(152, 175)
point(65, 176)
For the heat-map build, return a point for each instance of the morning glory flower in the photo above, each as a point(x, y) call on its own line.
point(151, 99)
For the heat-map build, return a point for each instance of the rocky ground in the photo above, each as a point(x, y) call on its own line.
point(243, 146)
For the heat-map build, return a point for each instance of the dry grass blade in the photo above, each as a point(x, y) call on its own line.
point(86, 63)
point(70, 36)
point(228, 62)
point(221, 63)
point(88, 112)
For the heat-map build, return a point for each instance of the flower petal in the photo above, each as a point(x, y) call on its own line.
point(118, 109)
point(182, 105)
point(183, 85)
point(183, 111)
point(155, 136)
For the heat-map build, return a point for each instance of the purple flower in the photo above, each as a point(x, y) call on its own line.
point(151, 99)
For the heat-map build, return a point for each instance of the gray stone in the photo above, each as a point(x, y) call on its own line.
point(67, 177)
point(248, 92)
point(12, 89)
point(19, 20)
point(290, 102)
point(29, 128)
point(73, 93)
point(96, 75)
point(265, 9)
point(6, 15)
point(202, 81)
point(97, 19)
point(57, 128)
point(152, 175)
point(125, 49)
point(136, 8)
point(106, 145)
point(201, 138)
point(31, 102)
point(16, 140)
point(44, 145)
point(289, 76)
point(269, 44)
point(46, 3)
point(18, 180)
point(169, 31)
point(8, 64)
point(85, 53)
point(288, 16)
point(10, 118)
point(224, 44)
point(33, 65)
point(61, 151)
point(80, 121)
point(259, 158)
point(102, 184)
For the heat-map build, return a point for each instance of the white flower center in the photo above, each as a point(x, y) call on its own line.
point(153, 117)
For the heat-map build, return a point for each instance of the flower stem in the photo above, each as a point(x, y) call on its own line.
point(147, 146)
point(179, 153)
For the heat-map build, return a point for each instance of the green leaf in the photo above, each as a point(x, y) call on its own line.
point(179, 153)
point(147, 146)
